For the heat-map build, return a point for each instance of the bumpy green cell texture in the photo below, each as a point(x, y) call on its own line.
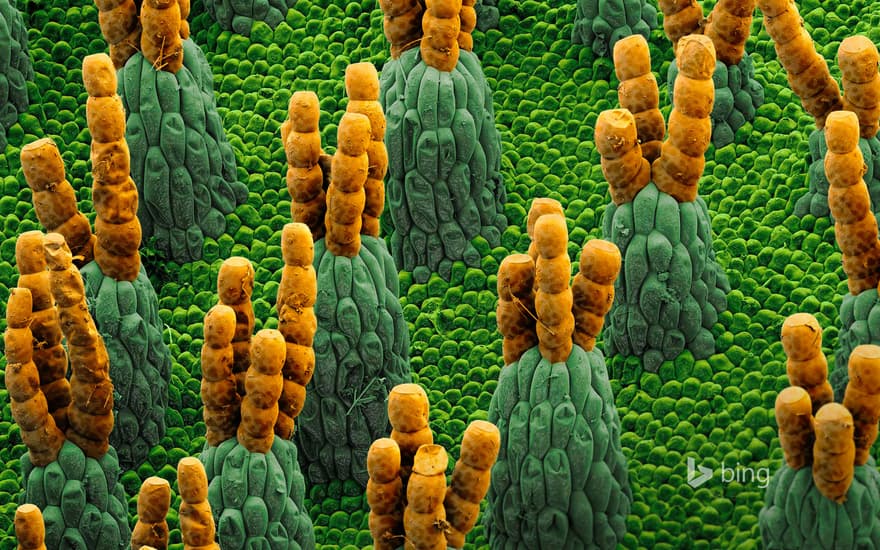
point(15, 66)
point(547, 95)
point(361, 352)
point(84, 505)
point(561, 479)
point(257, 498)
point(797, 515)
point(444, 184)
point(737, 98)
point(671, 288)
point(127, 316)
point(859, 324)
point(181, 162)
point(815, 202)
point(239, 15)
point(599, 24)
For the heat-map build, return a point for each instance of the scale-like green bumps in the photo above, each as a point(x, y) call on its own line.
point(859, 325)
point(361, 352)
point(181, 162)
point(670, 289)
point(84, 505)
point(561, 479)
point(15, 67)
point(127, 316)
point(815, 200)
point(601, 23)
point(737, 96)
point(444, 183)
point(257, 498)
point(239, 15)
point(797, 515)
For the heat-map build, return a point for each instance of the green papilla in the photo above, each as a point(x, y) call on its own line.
point(361, 352)
point(599, 24)
point(181, 161)
point(127, 317)
point(671, 289)
point(444, 185)
point(256, 498)
point(797, 515)
point(239, 16)
point(15, 67)
point(860, 324)
point(815, 201)
point(83, 503)
point(561, 479)
point(737, 97)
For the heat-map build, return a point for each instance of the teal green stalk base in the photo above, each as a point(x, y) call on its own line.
point(127, 317)
point(444, 183)
point(859, 325)
point(257, 499)
point(797, 515)
point(815, 201)
point(361, 352)
point(239, 16)
point(15, 67)
point(599, 24)
point(561, 478)
point(670, 289)
point(181, 162)
point(738, 95)
point(84, 505)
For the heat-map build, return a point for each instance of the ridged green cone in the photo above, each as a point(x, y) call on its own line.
point(815, 200)
point(561, 477)
point(15, 67)
point(127, 316)
point(670, 289)
point(444, 183)
point(239, 15)
point(83, 503)
point(599, 24)
point(738, 95)
point(181, 162)
point(362, 351)
point(859, 324)
point(257, 499)
point(797, 515)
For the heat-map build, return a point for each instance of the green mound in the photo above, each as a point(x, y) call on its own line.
point(561, 477)
point(859, 324)
point(257, 498)
point(815, 201)
point(671, 287)
point(181, 162)
point(127, 316)
point(599, 24)
point(797, 515)
point(83, 502)
point(239, 15)
point(15, 67)
point(737, 98)
point(361, 350)
point(444, 185)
